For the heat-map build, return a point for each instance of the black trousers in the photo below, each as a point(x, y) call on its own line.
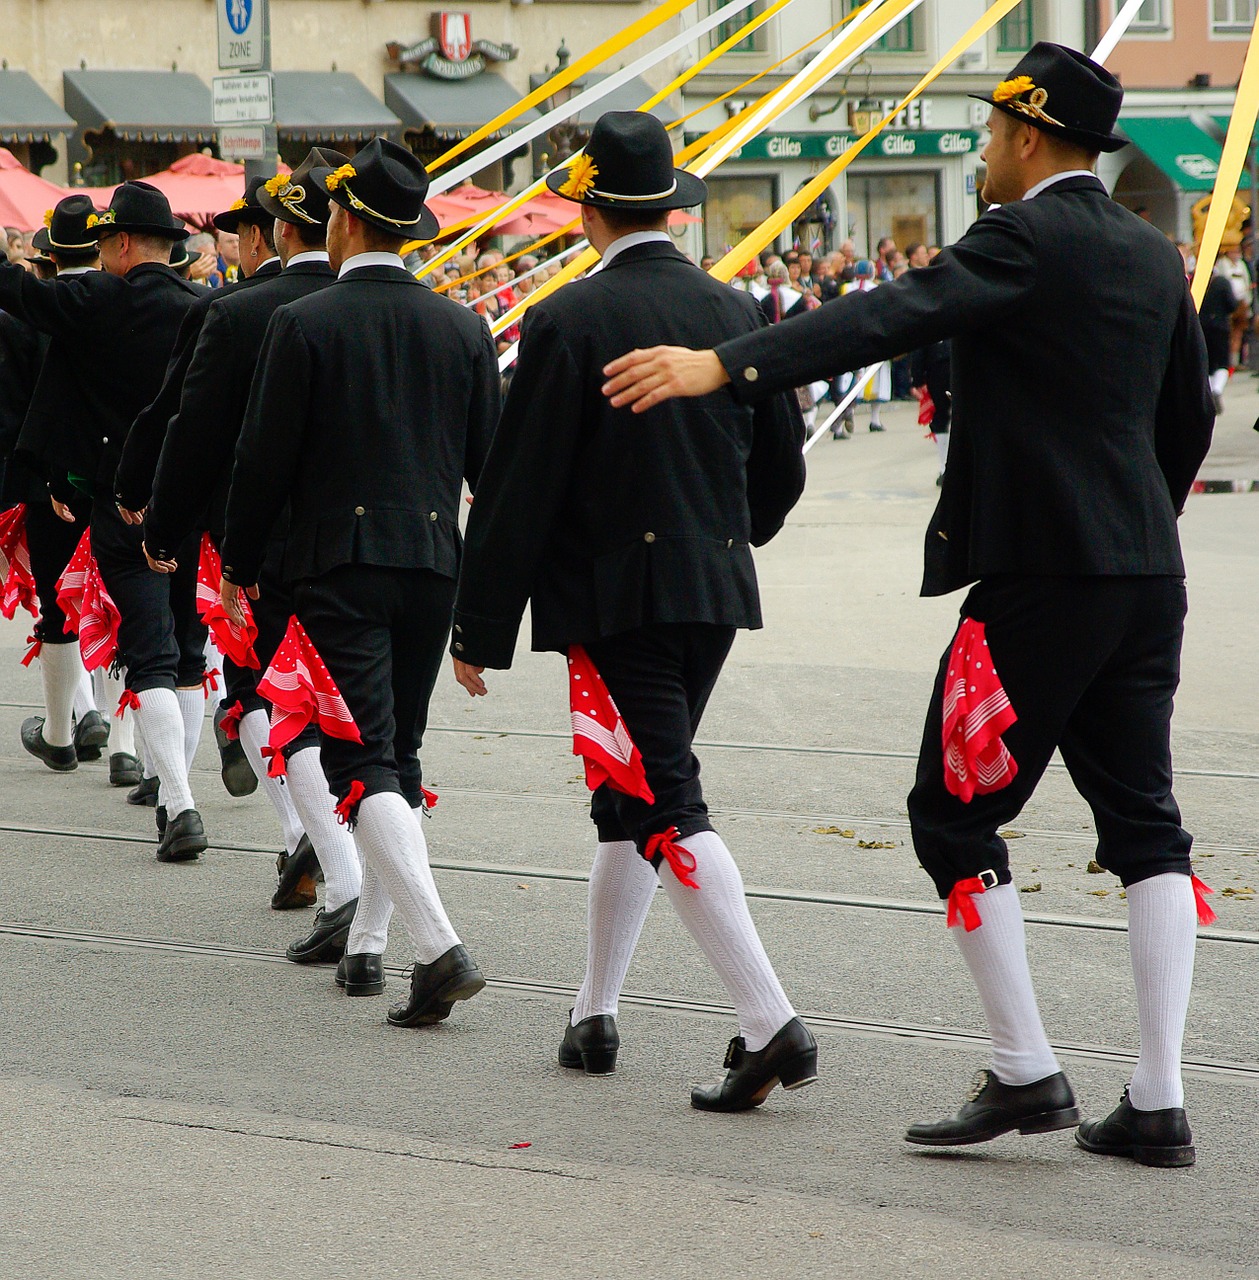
point(161, 640)
point(382, 635)
point(660, 678)
point(1091, 667)
point(938, 390)
point(51, 542)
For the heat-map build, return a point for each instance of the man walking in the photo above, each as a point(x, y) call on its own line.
point(633, 541)
point(1081, 413)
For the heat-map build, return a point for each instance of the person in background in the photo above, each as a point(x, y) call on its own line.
point(1232, 266)
point(917, 255)
point(878, 391)
point(1216, 318)
point(883, 259)
point(229, 259)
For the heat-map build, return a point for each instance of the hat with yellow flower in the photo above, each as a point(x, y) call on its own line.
point(384, 185)
point(1064, 93)
point(298, 197)
point(65, 228)
point(628, 164)
point(246, 209)
point(141, 208)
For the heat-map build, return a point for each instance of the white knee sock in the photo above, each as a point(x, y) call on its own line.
point(1219, 380)
point(1162, 933)
point(192, 709)
point(61, 669)
point(146, 756)
point(622, 886)
point(996, 954)
point(122, 729)
point(393, 845)
point(163, 727)
point(717, 916)
point(942, 448)
point(83, 699)
point(370, 930)
point(308, 789)
point(255, 728)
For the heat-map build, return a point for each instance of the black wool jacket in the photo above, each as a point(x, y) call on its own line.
point(134, 481)
point(111, 337)
point(1081, 408)
point(194, 470)
point(374, 399)
point(609, 520)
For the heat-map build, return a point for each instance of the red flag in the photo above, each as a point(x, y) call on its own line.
point(599, 734)
point(73, 580)
point(232, 641)
point(976, 712)
point(19, 581)
point(301, 690)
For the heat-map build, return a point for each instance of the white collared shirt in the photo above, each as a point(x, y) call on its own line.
point(629, 241)
point(373, 258)
point(1032, 192)
point(75, 271)
point(307, 255)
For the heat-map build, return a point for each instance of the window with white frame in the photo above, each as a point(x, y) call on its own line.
point(1151, 16)
point(757, 42)
point(904, 37)
point(1233, 17)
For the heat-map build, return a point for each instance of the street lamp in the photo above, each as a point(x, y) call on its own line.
point(566, 137)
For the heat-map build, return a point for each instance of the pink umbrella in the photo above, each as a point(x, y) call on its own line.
point(24, 196)
point(199, 186)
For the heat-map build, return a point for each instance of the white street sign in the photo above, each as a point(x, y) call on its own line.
point(243, 142)
point(242, 99)
point(242, 24)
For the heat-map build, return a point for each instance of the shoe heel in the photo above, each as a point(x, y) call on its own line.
point(1165, 1157)
point(462, 987)
point(598, 1062)
point(800, 1071)
point(1051, 1121)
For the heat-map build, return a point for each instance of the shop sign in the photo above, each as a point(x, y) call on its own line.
point(450, 53)
point(901, 145)
point(1198, 167)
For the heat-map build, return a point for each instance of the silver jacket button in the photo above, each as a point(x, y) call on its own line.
point(358, 511)
point(649, 537)
point(751, 374)
point(458, 646)
point(432, 515)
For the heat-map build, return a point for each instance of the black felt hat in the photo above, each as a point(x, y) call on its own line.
point(1063, 92)
point(384, 185)
point(298, 197)
point(246, 209)
point(628, 164)
point(181, 256)
point(139, 207)
point(65, 228)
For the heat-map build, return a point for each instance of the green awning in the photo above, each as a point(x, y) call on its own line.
point(1189, 157)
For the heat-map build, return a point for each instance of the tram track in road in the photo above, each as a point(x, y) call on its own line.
point(895, 906)
point(819, 1021)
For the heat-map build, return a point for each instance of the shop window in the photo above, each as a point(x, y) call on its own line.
point(905, 206)
point(757, 42)
point(1151, 16)
point(734, 207)
point(904, 37)
point(1016, 31)
point(1233, 17)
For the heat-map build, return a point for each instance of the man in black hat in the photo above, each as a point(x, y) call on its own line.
point(374, 398)
point(190, 493)
point(71, 729)
point(124, 318)
point(1081, 413)
point(633, 540)
point(252, 224)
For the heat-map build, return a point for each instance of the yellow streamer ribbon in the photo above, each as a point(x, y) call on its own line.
point(561, 79)
point(785, 215)
point(1232, 161)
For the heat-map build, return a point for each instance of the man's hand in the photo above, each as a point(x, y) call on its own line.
point(131, 517)
point(229, 594)
point(159, 566)
point(61, 511)
point(647, 377)
point(470, 677)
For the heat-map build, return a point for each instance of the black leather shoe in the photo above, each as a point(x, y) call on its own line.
point(91, 734)
point(994, 1108)
point(183, 839)
point(297, 878)
point(790, 1059)
point(237, 773)
point(591, 1045)
point(326, 941)
point(435, 988)
point(58, 759)
point(125, 770)
point(145, 793)
point(159, 816)
point(1158, 1138)
point(362, 974)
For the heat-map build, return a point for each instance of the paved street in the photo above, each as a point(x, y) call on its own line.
point(176, 1100)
